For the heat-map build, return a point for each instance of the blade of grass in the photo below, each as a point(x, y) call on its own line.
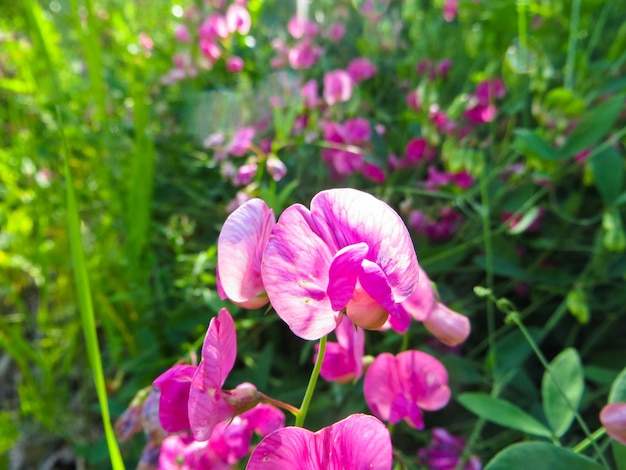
point(86, 306)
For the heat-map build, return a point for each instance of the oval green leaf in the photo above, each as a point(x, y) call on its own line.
point(562, 389)
point(608, 173)
point(540, 456)
point(503, 413)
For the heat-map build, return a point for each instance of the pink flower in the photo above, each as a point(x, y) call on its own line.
point(240, 247)
point(450, 10)
point(353, 132)
point(337, 87)
point(613, 418)
point(208, 403)
point(234, 64)
point(182, 34)
point(361, 69)
point(238, 19)
point(301, 27)
point(213, 27)
point(174, 385)
point(245, 173)
point(242, 141)
point(374, 173)
point(413, 100)
point(399, 387)
point(275, 167)
point(442, 68)
point(445, 451)
point(210, 49)
point(343, 360)
point(336, 32)
point(448, 326)
point(303, 55)
point(356, 442)
point(309, 94)
point(350, 252)
point(417, 151)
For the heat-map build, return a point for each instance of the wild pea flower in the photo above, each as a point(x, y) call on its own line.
point(182, 34)
point(445, 451)
point(336, 31)
point(337, 87)
point(213, 27)
point(481, 105)
point(245, 173)
point(613, 418)
point(234, 64)
point(399, 387)
point(413, 100)
point(357, 442)
point(239, 250)
point(354, 132)
point(275, 167)
point(304, 55)
point(343, 360)
point(238, 19)
point(350, 252)
point(174, 385)
point(301, 27)
point(242, 141)
point(450, 10)
point(374, 172)
point(417, 151)
point(361, 69)
point(309, 94)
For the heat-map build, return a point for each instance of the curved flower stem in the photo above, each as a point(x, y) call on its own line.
point(280, 404)
point(306, 401)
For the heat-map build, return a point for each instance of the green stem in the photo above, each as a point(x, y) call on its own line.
point(306, 401)
point(280, 404)
point(582, 445)
point(568, 81)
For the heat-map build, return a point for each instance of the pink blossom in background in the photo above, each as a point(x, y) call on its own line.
point(240, 199)
point(356, 442)
point(238, 19)
point(210, 49)
point(301, 27)
point(242, 141)
point(343, 360)
point(350, 252)
point(240, 247)
point(421, 303)
point(275, 167)
point(354, 132)
point(481, 107)
point(481, 113)
point(374, 173)
point(234, 64)
point(213, 27)
point(361, 69)
point(445, 451)
point(424, 67)
point(450, 10)
point(304, 55)
point(245, 174)
point(182, 34)
point(182, 452)
point(309, 94)
point(417, 151)
point(440, 119)
point(337, 87)
point(448, 326)
point(413, 100)
point(437, 178)
point(443, 67)
point(613, 418)
point(398, 387)
point(282, 50)
point(336, 31)
point(489, 90)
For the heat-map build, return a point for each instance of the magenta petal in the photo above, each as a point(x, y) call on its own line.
point(343, 272)
point(421, 303)
point(350, 216)
point(613, 418)
point(382, 385)
point(375, 283)
point(357, 442)
point(295, 270)
point(447, 326)
point(174, 385)
point(424, 378)
point(264, 419)
point(239, 250)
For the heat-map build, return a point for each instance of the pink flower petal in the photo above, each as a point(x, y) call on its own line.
point(239, 250)
point(613, 418)
point(174, 385)
point(357, 442)
point(447, 326)
point(420, 304)
point(343, 273)
point(426, 377)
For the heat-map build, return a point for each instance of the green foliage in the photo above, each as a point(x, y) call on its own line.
point(541, 456)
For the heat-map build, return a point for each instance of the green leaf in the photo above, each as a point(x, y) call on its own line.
point(608, 173)
point(540, 456)
point(619, 454)
point(503, 413)
point(618, 389)
point(527, 141)
point(593, 126)
point(562, 389)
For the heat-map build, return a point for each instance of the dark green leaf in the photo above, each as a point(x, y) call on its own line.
point(503, 413)
point(540, 456)
point(608, 173)
point(593, 126)
point(526, 141)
